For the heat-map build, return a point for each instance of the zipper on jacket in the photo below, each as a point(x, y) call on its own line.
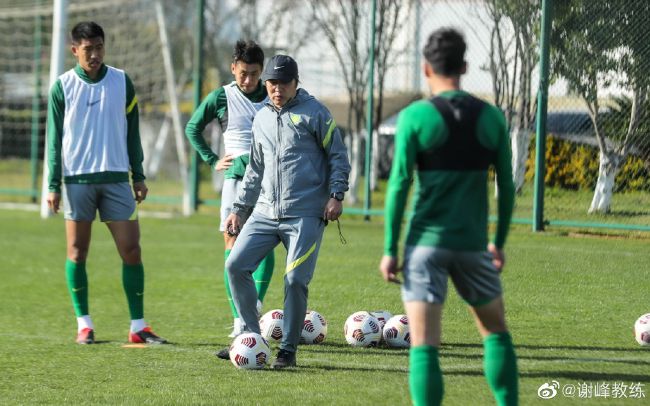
point(278, 150)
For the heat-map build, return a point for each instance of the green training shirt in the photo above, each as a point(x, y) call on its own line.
point(215, 106)
point(450, 206)
point(55, 119)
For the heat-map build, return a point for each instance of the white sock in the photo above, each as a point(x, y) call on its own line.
point(84, 322)
point(237, 323)
point(137, 325)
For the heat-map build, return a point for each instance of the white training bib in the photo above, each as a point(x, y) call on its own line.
point(241, 111)
point(94, 125)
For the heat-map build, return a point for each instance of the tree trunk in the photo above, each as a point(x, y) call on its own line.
point(374, 167)
point(519, 140)
point(609, 165)
point(353, 149)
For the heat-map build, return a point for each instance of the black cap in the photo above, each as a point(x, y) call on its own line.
point(281, 67)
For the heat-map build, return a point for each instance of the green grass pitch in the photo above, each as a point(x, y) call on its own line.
point(571, 305)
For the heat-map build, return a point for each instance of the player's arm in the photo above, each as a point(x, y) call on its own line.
point(55, 116)
point(505, 184)
point(329, 136)
point(207, 111)
point(399, 182)
point(133, 141)
point(251, 185)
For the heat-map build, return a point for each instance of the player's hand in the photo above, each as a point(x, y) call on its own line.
point(224, 163)
point(498, 256)
point(140, 191)
point(54, 201)
point(389, 269)
point(233, 224)
point(333, 210)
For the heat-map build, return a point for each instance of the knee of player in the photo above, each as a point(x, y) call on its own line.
point(133, 254)
point(292, 282)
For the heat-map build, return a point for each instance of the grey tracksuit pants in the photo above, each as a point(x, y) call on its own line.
point(301, 237)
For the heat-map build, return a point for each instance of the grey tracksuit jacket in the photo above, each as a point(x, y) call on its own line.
point(297, 159)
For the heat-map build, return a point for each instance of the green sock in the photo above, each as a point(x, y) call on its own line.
point(263, 274)
point(133, 282)
point(75, 275)
point(425, 377)
point(226, 280)
point(500, 368)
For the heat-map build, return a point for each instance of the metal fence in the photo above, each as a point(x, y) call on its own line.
point(597, 155)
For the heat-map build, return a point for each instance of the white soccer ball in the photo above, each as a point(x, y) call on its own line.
point(314, 329)
point(249, 351)
point(396, 332)
point(382, 316)
point(272, 325)
point(362, 329)
point(642, 330)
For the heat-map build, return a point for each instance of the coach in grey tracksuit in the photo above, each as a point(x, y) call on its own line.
point(294, 183)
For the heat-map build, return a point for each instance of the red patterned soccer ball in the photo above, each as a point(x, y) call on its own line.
point(249, 351)
point(642, 330)
point(362, 329)
point(314, 328)
point(396, 332)
point(272, 325)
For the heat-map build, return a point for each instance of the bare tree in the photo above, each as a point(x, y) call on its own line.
point(342, 24)
point(345, 25)
point(390, 21)
point(513, 57)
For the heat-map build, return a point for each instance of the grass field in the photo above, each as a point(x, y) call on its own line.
point(571, 302)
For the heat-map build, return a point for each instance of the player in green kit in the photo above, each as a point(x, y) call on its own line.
point(450, 141)
point(94, 142)
point(234, 106)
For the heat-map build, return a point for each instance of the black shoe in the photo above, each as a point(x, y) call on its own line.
point(284, 359)
point(223, 353)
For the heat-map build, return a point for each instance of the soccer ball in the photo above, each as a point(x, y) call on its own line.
point(314, 329)
point(249, 351)
point(396, 332)
point(272, 325)
point(362, 329)
point(382, 316)
point(642, 330)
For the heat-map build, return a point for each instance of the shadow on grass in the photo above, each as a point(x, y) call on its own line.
point(445, 354)
point(552, 347)
point(585, 376)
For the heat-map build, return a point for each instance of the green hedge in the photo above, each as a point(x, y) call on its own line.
point(575, 166)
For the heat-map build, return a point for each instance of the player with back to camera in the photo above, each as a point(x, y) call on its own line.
point(294, 184)
point(234, 106)
point(94, 139)
point(450, 141)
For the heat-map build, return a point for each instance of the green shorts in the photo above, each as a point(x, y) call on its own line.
point(426, 270)
point(114, 201)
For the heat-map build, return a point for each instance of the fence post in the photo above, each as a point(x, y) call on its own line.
point(59, 22)
point(542, 107)
point(36, 101)
point(198, 86)
point(369, 114)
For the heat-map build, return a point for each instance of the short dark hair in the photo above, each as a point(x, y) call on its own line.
point(248, 52)
point(445, 51)
point(86, 30)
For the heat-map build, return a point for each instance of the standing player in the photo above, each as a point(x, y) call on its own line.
point(234, 106)
point(94, 139)
point(294, 184)
point(451, 139)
